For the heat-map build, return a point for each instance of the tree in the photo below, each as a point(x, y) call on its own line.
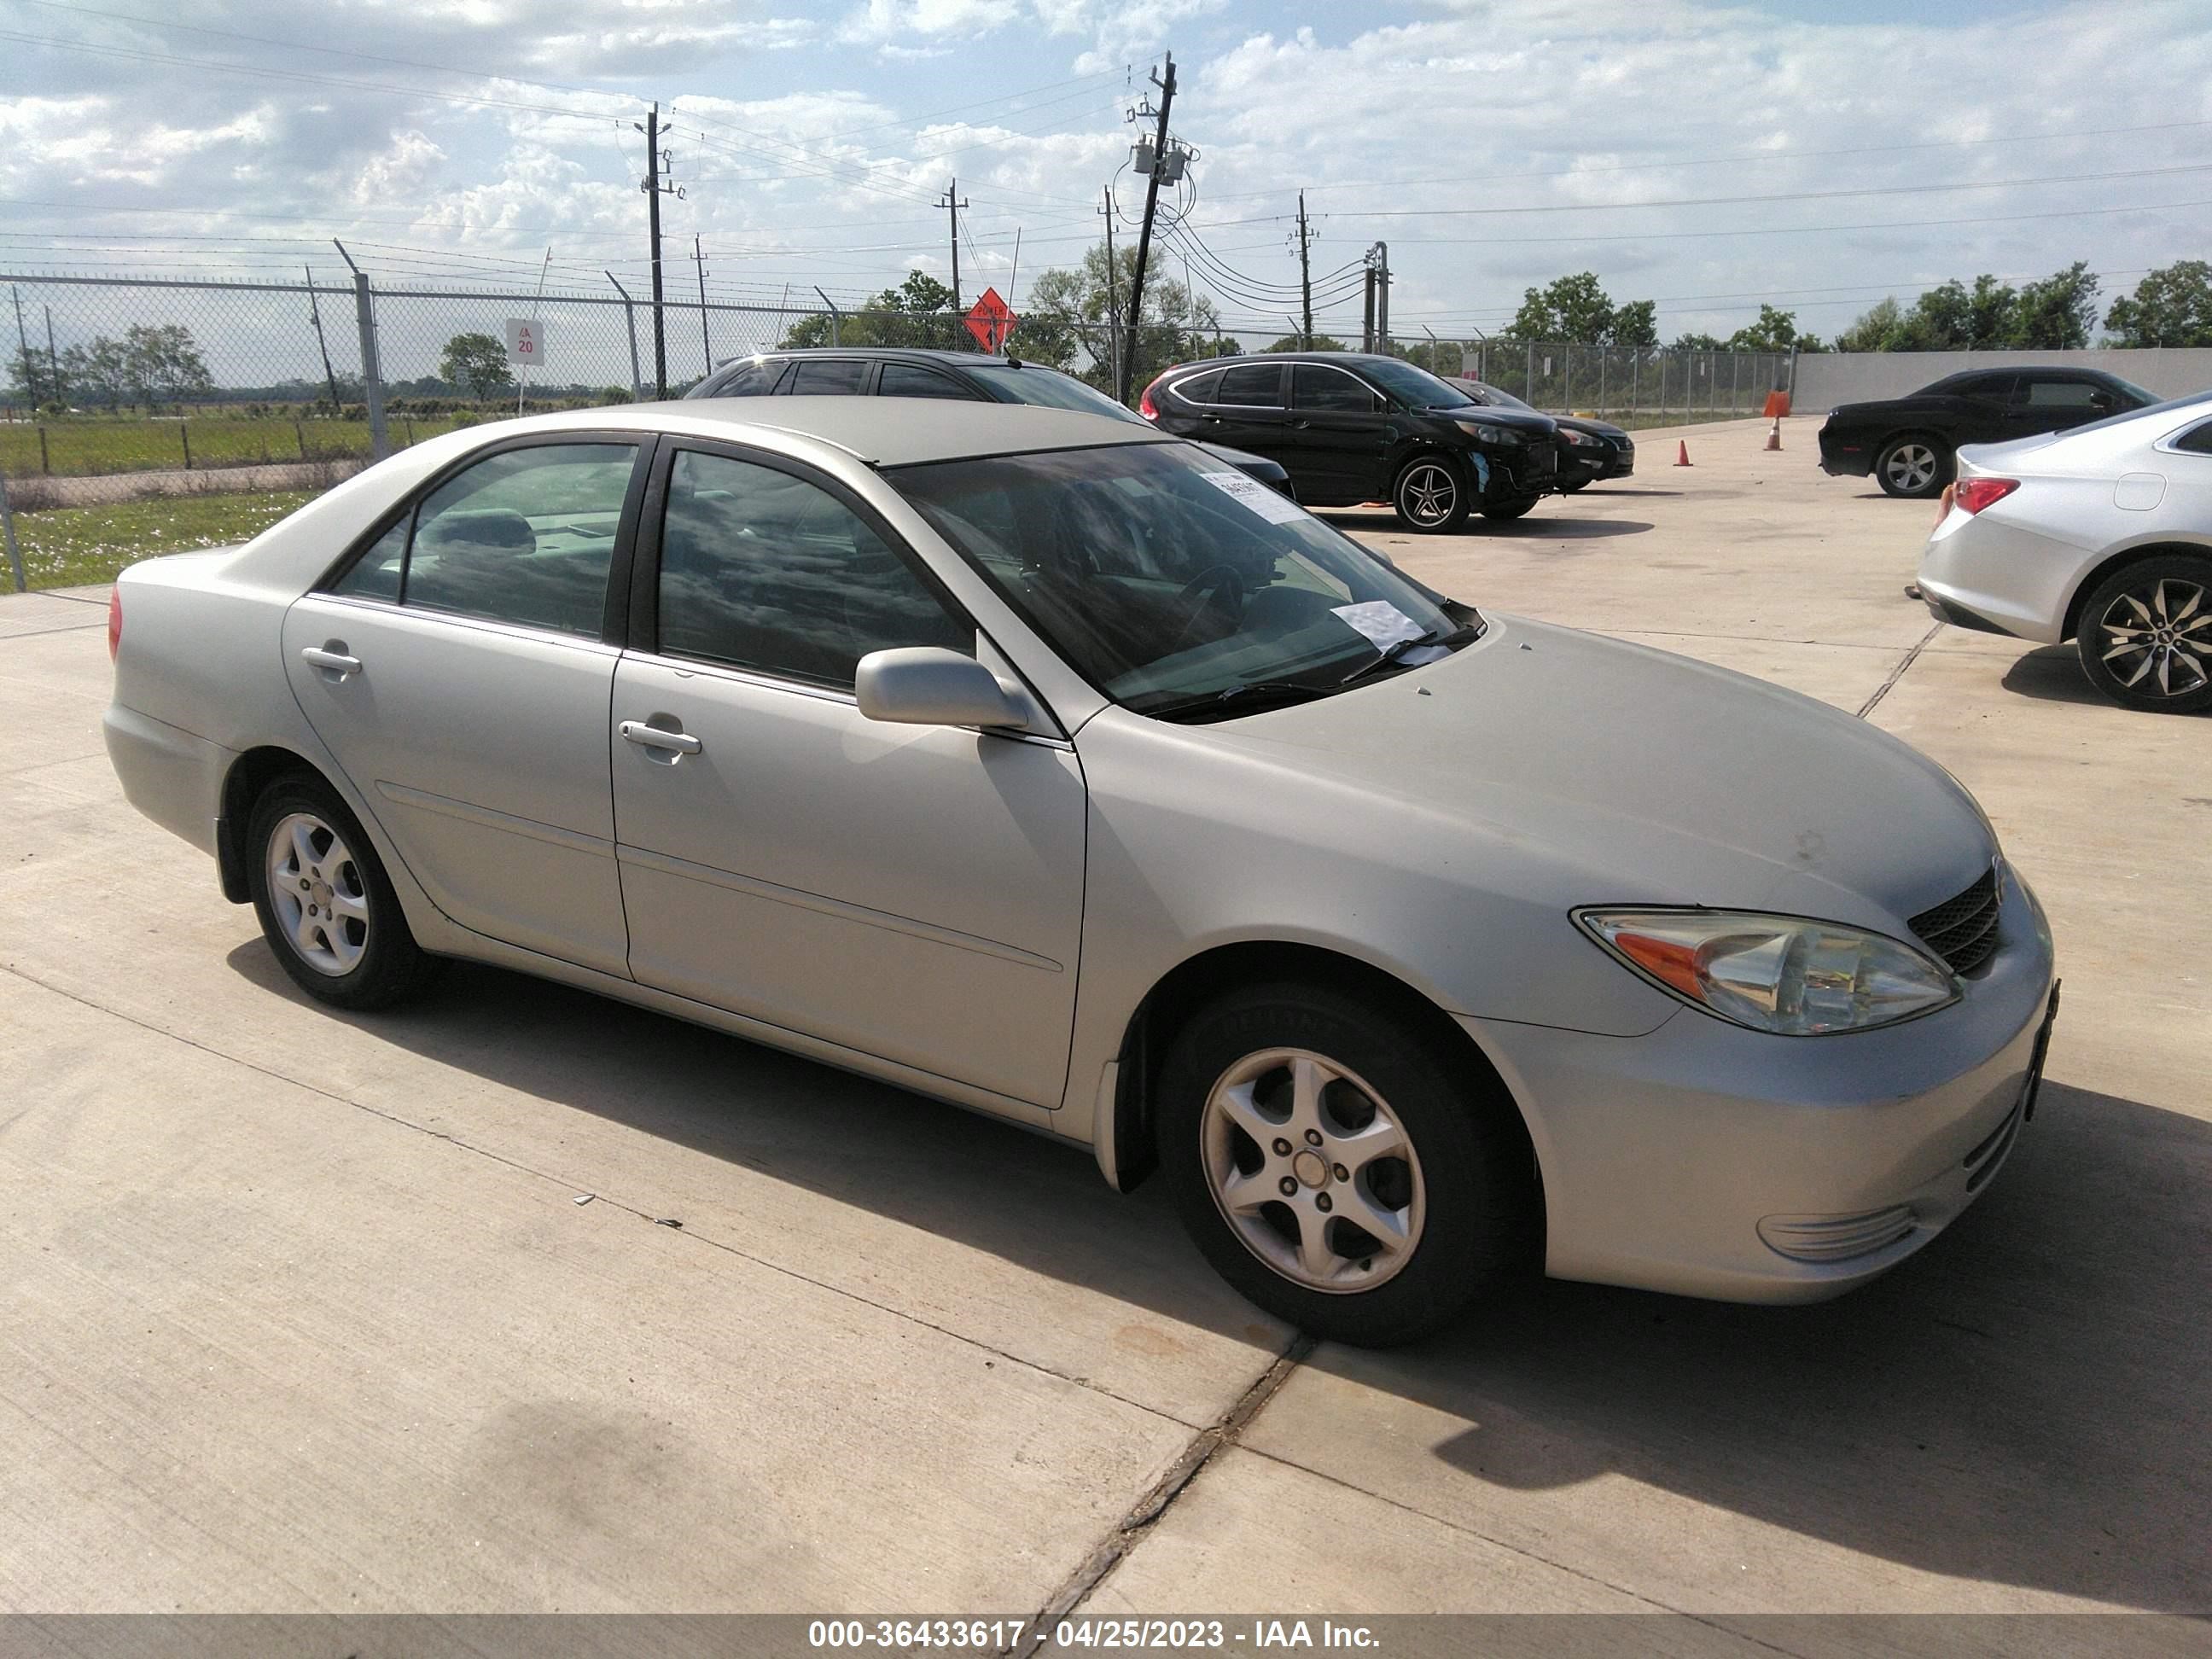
point(1315, 342)
point(1574, 308)
point(1775, 330)
point(2170, 306)
point(1076, 312)
point(30, 378)
point(2056, 313)
point(476, 363)
point(917, 313)
point(1636, 323)
point(1700, 342)
point(1877, 326)
point(162, 361)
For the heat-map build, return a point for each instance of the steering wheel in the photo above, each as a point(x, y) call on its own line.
point(1213, 585)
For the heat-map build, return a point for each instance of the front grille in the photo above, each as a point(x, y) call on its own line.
point(1963, 930)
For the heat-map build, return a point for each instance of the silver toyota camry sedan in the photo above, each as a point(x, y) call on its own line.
point(1044, 765)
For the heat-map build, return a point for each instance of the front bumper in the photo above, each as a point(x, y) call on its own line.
point(1670, 1161)
point(1845, 458)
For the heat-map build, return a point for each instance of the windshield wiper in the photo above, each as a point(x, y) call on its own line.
point(1207, 702)
point(1397, 648)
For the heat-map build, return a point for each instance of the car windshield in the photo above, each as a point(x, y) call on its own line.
point(1415, 388)
point(1178, 587)
point(2134, 391)
point(1486, 392)
point(2195, 402)
point(1022, 383)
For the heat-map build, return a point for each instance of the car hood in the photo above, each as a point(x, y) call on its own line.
point(1605, 430)
point(1597, 772)
point(1518, 420)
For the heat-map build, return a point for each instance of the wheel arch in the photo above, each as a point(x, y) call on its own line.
point(2070, 627)
point(253, 772)
point(1193, 983)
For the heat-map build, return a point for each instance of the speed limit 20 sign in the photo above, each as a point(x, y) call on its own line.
point(525, 341)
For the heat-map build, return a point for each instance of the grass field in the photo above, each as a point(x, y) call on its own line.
point(71, 545)
point(89, 446)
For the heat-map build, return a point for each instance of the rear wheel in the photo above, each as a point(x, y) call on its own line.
point(1913, 467)
point(2146, 634)
point(1337, 1169)
point(1431, 495)
point(325, 905)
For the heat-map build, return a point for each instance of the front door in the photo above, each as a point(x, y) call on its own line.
point(1339, 436)
point(911, 892)
point(458, 672)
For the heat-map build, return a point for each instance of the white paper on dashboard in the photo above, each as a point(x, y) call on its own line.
point(1257, 495)
point(1383, 623)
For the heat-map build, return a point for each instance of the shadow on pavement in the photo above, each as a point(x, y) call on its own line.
point(2024, 1403)
point(2052, 673)
point(1536, 524)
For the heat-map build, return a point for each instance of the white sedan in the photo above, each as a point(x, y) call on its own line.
point(2102, 535)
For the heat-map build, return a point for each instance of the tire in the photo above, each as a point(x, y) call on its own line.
point(1913, 467)
point(1511, 509)
point(1431, 494)
point(304, 848)
point(2145, 636)
point(1284, 1055)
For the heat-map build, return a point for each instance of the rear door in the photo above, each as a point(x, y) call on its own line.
point(1338, 435)
point(895, 379)
point(825, 377)
point(1248, 411)
point(460, 669)
point(912, 892)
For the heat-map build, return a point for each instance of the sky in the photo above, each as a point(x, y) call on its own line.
point(1706, 156)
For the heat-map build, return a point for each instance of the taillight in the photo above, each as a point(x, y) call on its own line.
point(114, 620)
point(1972, 495)
point(1147, 407)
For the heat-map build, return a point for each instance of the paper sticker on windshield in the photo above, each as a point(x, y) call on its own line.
point(1382, 622)
point(1257, 495)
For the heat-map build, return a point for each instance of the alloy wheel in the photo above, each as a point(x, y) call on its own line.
point(1313, 1170)
point(316, 889)
point(1428, 492)
point(2157, 639)
point(1911, 467)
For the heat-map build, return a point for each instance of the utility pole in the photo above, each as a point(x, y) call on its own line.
point(315, 315)
point(1305, 273)
point(652, 188)
point(1367, 324)
point(951, 204)
point(23, 358)
point(705, 350)
point(1383, 295)
point(1145, 232)
point(1113, 297)
point(54, 361)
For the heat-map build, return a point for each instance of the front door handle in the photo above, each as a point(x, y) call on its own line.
point(335, 662)
point(653, 737)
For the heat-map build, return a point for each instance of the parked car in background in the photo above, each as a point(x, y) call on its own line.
point(1908, 444)
point(1035, 763)
point(2103, 535)
point(1590, 451)
point(903, 372)
point(1350, 427)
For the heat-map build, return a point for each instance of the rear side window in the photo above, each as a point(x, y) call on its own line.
point(1199, 388)
point(1318, 387)
point(1252, 386)
point(2060, 394)
point(762, 570)
point(826, 377)
point(526, 536)
point(913, 380)
point(2197, 440)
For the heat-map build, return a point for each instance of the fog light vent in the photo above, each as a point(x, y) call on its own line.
point(1835, 1237)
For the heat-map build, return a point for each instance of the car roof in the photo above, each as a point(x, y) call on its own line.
point(919, 354)
point(881, 431)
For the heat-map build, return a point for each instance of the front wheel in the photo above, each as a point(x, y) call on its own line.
point(1431, 496)
point(1337, 1169)
point(325, 905)
point(1912, 467)
point(2146, 634)
point(1510, 510)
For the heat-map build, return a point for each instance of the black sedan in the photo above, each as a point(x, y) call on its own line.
point(1908, 443)
point(903, 372)
point(1350, 427)
point(1589, 450)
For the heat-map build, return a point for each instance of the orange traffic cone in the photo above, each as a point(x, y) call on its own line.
point(1774, 437)
point(1681, 452)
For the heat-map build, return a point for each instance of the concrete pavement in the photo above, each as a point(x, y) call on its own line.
point(304, 1313)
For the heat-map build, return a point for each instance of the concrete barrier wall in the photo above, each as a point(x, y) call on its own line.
point(1828, 378)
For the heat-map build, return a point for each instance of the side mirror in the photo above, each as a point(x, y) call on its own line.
point(928, 685)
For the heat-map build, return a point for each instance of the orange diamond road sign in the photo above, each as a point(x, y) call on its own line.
point(990, 319)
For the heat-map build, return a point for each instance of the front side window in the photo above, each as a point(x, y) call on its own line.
point(835, 377)
point(1167, 578)
point(1412, 386)
point(756, 379)
point(526, 536)
point(1317, 386)
point(1251, 386)
point(763, 570)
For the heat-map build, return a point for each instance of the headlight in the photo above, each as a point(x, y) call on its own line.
point(1569, 435)
point(1502, 437)
point(1780, 974)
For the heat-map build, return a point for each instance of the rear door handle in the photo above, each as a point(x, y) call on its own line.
point(336, 661)
point(653, 737)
